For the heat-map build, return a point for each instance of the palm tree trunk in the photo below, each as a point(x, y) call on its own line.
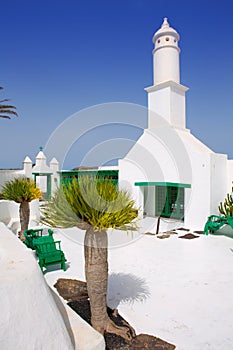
point(24, 215)
point(96, 270)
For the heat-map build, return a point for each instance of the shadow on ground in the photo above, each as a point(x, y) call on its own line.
point(126, 288)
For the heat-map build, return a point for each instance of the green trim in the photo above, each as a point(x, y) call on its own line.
point(49, 187)
point(42, 174)
point(87, 171)
point(167, 184)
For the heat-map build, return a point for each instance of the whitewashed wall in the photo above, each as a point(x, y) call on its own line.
point(30, 319)
point(9, 214)
point(149, 203)
point(209, 181)
point(166, 103)
point(220, 185)
point(230, 174)
point(7, 175)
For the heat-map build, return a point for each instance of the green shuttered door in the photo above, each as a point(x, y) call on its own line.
point(169, 202)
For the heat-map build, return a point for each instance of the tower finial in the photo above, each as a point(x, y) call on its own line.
point(165, 23)
point(41, 148)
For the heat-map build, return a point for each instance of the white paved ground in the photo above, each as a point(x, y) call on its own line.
point(179, 290)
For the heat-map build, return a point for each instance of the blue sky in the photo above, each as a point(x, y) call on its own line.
point(58, 57)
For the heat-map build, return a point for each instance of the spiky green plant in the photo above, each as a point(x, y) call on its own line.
point(98, 204)
point(95, 206)
point(5, 109)
point(21, 190)
point(226, 207)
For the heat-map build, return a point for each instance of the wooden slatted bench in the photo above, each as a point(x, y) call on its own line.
point(50, 253)
point(36, 235)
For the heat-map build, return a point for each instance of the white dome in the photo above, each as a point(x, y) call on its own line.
point(165, 30)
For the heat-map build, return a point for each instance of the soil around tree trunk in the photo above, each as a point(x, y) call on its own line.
point(75, 292)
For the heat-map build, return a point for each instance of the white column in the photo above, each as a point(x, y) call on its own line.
point(27, 167)
point(54, 167)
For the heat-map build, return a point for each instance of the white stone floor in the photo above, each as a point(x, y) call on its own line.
point(176, 289)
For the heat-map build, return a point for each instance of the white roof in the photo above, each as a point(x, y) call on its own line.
point(40, 155)
point(27, 160)
point(165, 30)
point(54, 161)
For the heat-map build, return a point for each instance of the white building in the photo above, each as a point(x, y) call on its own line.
point(47, 179)
point(169, 171)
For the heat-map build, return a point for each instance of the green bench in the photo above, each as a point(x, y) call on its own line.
point(34, 235)
point(42, 239)
point(50, 253)
point(215, 222)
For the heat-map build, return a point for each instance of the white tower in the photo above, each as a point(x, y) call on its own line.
point(166, 98)
point(166, 54)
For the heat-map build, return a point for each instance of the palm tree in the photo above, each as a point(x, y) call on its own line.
point(95, 207)
point(6, 109)
point(21, 190)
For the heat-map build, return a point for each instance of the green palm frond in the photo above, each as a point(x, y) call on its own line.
point(6, 110)
point(20, 190)
point(100, 204)
point(58, 212)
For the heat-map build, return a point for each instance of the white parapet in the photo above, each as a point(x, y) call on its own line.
point(30, 318)
point(82, 334)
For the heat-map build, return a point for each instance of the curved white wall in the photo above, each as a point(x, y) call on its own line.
point(9, 214)
point(30, 319)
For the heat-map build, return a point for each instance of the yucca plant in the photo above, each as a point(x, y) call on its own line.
point(5, 109)
point(94, 206)
point(21, 190)
point(226, 208)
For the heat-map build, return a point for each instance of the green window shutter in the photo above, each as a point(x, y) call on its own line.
point(169, 202)
point(160, 197)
